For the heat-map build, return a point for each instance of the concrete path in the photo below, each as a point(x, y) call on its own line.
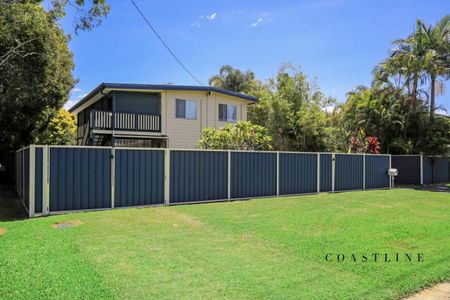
point(437, 292)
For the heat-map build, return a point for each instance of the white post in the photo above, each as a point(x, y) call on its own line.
point(113, 175)
point(318, 172)
point(31, 181)
point(391, 178)
point(45, 180)
point(333, 169)
point(229, 175)
point(278, 173)
point(364, 171)
point(421, 169)
point(167, 177)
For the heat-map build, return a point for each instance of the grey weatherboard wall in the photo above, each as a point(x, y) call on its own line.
point(298, 173)
point(326, 170)
point(198, 176)
point(139, 177)
point(376, 171)
point(348, 172)
point(80, 178)
point(408, 168)
point(253, 174)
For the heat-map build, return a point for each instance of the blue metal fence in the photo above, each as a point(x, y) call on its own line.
point(298, 173)
point(253, 174)
point(198, 176)
point(139, 177)
point(83, 178)
point(80, 178)
point(418, 169)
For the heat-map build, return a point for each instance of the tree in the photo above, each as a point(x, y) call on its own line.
point(424, 55)
point(294, 111)
point(233, 79)
point(242, 135)
point(435, 44)
point(35, 66)
point(61, 130)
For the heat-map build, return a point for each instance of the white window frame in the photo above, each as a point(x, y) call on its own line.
point(187, 103)
point(228, 120)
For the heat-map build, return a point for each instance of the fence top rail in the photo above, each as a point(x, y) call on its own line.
point(394, 155)
point(210, 150)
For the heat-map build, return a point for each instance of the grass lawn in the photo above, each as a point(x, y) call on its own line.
point(265, 248)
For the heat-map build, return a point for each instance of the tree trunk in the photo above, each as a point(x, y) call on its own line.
point(433, 95)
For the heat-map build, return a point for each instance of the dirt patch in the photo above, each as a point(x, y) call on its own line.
point(183, 218)
point(67, 224)
point(3, 231)
point(437, 292)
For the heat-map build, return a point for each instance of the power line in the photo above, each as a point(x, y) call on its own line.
point(165, 45)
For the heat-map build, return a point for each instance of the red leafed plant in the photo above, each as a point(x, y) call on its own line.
point(373, 145)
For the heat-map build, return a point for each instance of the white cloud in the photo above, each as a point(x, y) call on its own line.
point(77, 90)
point(212, 16)
point(257, 22)
point(70, 103)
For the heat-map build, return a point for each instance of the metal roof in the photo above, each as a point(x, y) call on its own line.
point(158, 87)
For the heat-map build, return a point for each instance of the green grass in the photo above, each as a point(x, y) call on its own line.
point(266, 248)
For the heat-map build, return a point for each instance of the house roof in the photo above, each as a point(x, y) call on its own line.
point(156, 87)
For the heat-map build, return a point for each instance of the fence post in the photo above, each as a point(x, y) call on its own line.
point(333, 170)
point(113, 175)
point(229, 176)
point(278, 173)
point(391, 179)
point(166, 176)
point(318, 172)
point(31, 180)
point(45, 180)
point(364, 171)
point(421, 169)
point(23, 175)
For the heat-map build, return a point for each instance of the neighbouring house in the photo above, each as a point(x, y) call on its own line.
point(151, 115)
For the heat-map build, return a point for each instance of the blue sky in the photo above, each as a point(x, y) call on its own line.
point(338, 42)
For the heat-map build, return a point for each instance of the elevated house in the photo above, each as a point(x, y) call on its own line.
point(149, 115)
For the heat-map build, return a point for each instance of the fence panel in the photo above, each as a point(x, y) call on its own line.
point(326, 169)
point(349, 172)
point(298, 173)
point(198, 176)
point(253, 174)
point(440, 170)
point(38, 180)
point(26, 178)
point(18, 177)
point(427, 171)
point(408, 169)
point(139, 177)
point(80, 178)
point(377, 171)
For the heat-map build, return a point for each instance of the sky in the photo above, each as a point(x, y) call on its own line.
point(335, 42)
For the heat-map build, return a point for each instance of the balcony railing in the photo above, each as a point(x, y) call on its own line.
point(125, 121)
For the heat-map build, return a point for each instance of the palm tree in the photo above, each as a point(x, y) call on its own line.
point(232, 79)
point(434, 46)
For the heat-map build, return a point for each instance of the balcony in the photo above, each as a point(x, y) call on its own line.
point(124, 122)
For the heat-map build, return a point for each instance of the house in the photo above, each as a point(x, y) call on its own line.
point(149, 115)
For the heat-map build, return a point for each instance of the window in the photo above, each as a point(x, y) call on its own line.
point(186, 109)
point(227, 113)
